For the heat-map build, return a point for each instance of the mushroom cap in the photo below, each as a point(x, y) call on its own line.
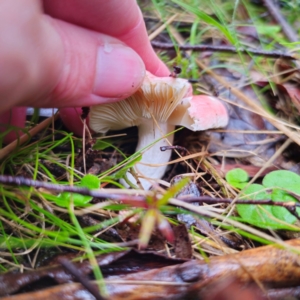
point(157, 98)
point(213, 114)
point(201, 112)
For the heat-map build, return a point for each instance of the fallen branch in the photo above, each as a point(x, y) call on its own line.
point(139, 201)
point(227, 49)
point(266, 267)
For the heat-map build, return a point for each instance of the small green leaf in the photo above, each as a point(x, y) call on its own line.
point(88, 181)
point(238, 178)
point(64, 199)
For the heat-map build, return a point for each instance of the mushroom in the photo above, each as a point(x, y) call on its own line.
point(156, 108)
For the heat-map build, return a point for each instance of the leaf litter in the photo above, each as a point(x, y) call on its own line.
point(210, 249)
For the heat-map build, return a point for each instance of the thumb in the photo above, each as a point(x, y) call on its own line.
point(95, 68)
point(51, 63)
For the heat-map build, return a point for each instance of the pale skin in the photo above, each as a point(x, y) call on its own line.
point(70, 53)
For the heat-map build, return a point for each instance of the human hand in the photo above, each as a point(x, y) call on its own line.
point(76, 53)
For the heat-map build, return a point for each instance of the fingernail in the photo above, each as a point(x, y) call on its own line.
point(119, 71)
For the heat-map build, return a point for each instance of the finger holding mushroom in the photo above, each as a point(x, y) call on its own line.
point(156, 108)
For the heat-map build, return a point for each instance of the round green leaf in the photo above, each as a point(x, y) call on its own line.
point(238, 178)
point(283, 179)
point(263, 215)
point(90, 181)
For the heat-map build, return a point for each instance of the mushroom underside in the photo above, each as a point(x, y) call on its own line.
point(156, 108)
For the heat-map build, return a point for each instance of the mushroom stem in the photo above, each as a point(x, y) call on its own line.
point(150, 131)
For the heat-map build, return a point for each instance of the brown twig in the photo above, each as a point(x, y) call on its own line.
point(210, 200)
point(290, 206)
point(175, 147)
point(11, 180)
point(25, 137)
point(228, 49)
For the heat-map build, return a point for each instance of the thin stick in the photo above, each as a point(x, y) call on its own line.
point(17, 180)
point(210, 200)
point(227, 49)
point(287, 29)
point(290, 206)
point(155, 33)
point(113, 195)
point(24, 138)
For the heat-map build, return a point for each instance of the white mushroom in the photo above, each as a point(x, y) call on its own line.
point(156, 108)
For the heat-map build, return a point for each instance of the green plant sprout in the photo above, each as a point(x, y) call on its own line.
point(152, 215)
point(275, 186)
